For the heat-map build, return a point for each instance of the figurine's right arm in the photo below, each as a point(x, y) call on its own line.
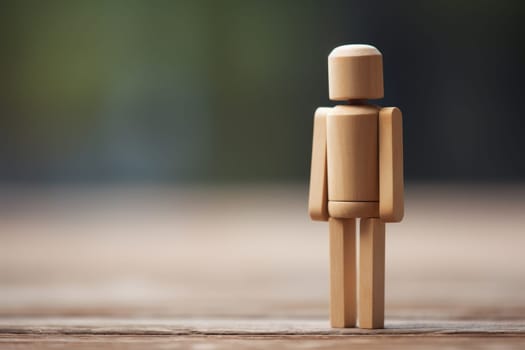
point(318, 196)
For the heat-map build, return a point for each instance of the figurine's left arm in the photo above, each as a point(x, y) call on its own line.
point(391, 183)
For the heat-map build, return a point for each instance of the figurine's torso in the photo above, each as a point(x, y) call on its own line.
point(352, 161)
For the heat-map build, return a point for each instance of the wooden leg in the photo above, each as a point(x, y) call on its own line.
point(342, 273)
point(371, 273)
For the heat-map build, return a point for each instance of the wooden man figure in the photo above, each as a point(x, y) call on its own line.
point(357, 172)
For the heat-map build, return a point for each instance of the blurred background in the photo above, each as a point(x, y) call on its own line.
point(154, 156)
point(224, 92)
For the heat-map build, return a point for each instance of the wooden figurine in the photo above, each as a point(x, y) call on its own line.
point(357, 172)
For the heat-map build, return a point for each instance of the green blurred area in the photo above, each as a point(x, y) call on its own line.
point(224, 91)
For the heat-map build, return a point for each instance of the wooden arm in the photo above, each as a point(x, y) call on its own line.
point(318, 196)
point(391, 188)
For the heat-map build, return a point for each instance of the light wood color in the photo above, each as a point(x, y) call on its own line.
point(355, 72)
point(391, 187)
point(352, 153)
point(343, 262)
point(318, 196)
point(371, 273)
point(357, 172)
point(353, 209)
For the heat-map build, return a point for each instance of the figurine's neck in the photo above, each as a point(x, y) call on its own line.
point(358, 102)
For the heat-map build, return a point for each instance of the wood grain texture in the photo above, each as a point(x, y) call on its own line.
point(371, 273)
point(318, 194)
point(260, 342)
point(191, 326)
point(352, 153)
point(391, 182)
point(343, 261)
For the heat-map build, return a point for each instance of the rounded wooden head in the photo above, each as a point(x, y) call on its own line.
point(355, 72)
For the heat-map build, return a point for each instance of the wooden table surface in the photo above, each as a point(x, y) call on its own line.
point(219, 268)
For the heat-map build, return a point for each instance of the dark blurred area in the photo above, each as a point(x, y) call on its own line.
point(224, 91)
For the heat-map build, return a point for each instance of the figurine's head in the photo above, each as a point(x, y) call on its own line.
point(355, 72)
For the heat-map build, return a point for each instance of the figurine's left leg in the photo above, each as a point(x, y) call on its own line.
point(371, 273)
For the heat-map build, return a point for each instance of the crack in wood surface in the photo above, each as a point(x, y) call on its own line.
point(244, 327)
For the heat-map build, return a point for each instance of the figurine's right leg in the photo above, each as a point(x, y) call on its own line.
point(342, 273)
point(371, 273)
